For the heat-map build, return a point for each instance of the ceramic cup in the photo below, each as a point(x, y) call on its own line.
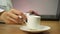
point(33, 21)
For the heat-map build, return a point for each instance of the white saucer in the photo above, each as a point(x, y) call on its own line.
point(40, 29)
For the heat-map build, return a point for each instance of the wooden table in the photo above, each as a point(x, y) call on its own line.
point(14, 29)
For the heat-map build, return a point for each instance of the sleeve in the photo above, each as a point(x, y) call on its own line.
point(1, 11)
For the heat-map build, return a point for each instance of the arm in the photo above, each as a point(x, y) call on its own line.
point(1, 11)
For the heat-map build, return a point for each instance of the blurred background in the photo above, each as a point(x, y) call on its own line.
point(48, 9)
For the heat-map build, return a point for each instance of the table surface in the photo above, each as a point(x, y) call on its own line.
point(14, 29)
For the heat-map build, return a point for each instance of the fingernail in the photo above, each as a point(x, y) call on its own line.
point(20, 16)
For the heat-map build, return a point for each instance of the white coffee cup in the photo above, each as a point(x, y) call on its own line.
point(33, 21)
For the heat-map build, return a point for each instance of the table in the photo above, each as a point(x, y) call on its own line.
point(14, 29)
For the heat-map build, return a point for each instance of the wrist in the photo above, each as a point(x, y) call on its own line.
point(1, 11)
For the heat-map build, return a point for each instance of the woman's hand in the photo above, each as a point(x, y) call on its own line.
point(33, 12)
point(11, 17)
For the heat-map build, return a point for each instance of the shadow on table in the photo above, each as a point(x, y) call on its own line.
point(45, 32)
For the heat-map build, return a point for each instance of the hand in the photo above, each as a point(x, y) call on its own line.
point(11, 17)
point(33, 12)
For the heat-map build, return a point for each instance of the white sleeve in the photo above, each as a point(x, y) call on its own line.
point(1, 10)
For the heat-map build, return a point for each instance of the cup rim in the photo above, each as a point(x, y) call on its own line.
point(35, 16)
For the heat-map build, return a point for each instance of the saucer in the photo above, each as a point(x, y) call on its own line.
point(40, 29)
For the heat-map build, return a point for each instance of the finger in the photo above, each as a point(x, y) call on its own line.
point(33, 12)
point(8, 21)
point(19, 21)
point(13, 16)
point(23, 16)
point(6, 18)
point(16, 17)
point(16, 12)
point(12, 20)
